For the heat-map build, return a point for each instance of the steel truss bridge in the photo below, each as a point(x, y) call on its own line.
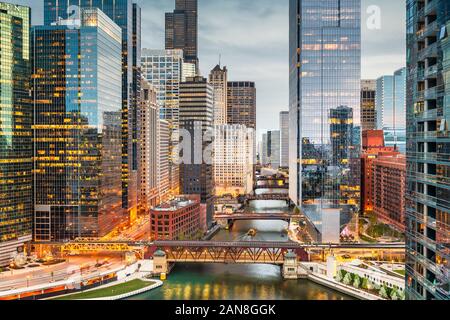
point(274, 187)
point(241, 215)
point(268, 196)
point(261, 252)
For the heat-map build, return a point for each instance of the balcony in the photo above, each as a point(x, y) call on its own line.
point(430, 8)
point(429, 52)
point(431, 94)
point(431, 72)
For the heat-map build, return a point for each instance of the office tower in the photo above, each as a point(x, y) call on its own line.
point(391, 108)
point(264, 153)
point(271, 147)
point(77, 93)
point(389, 189)
point(368, 111)
point(325, 45)
point(372, 146)
point(341, 134)
point(284, 142)
point(163, 69)
point(16, 149)
point(233, 160)
point(188, 71)
point(127, 17)
point(218, 78)
point(149, 153)
point(164, 163)
point(177, 220)
point(182, 29)
point(241, 107)
point(196, 122)
point(428, 149)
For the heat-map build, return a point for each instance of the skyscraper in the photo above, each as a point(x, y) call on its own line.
point(241, 107)
point(391, 108)
point(284, 143)
point(368, 111)
point(149, 153)
point(218, 78)
point(272, 149)
point(163, 69)
point(127, 16)
point(16, 115)
point(196, 120)
point(325, 45)
point(77, 95)
point(428, 150)
point(182, 29)
point(233, 159)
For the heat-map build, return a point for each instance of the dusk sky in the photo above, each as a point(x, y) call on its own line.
point(252, 38)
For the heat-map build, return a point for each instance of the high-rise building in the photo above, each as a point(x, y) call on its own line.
point(149, 153)
point(325, 45)
point(77, 92)
point(233, 160)
point(127, 17)
point(428, 150)
point(284, 143)
point(241, 107)
point(163, 69)
point(368, 110)
point(196, 123)
point(164, 163)
point(264, 152)
point(272, 149)
point(16, 116)
point(182, 30)
point(218, 78)
point(389, 185)
point(391, 108)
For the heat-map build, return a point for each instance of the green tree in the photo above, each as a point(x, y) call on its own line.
point(357, 281)
point(348, 279)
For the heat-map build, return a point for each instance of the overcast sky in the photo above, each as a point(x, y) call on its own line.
point(252, 37)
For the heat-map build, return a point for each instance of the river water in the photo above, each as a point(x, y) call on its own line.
point(241, 282)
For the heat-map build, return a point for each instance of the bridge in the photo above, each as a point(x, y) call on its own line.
point(241, 215)
point(272, 178)
point(258, 252)
point(268, 196)
point(269, 186)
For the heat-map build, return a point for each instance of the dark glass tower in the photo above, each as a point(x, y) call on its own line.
point(127, 16)
point(77, 95)
point(428, 150)
point(182, 29)
point(16, 149)
point(325, 74)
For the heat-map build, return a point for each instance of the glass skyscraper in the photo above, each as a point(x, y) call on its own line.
point(127, 16)
point(182, 30)
point(16, 149)
point(77, 94)
point(325, 75)
point(428, 150)
point(390, 104)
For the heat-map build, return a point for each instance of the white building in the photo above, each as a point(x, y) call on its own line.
point(233, 159)
point(164, 161)
point(148, 136)
point(284, 143)
point(164, 70)
point(189, 70)
point(218, 79)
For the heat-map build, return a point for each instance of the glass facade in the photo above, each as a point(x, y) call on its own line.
point(127, 17)
point(16, 116)
point(390, 101)
point(428, 150)
point(325, 92)
point(163, 69)
point(77, 128)
point(182, 30)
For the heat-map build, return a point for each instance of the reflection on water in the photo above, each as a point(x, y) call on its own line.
point(235, 282)
point(241, 282)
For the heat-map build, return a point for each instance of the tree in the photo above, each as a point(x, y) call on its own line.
point(365, 284)
point(384, 293)
point(357, 281)
point(348, 279)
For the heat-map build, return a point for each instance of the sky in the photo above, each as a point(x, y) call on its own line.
point(251, 36)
